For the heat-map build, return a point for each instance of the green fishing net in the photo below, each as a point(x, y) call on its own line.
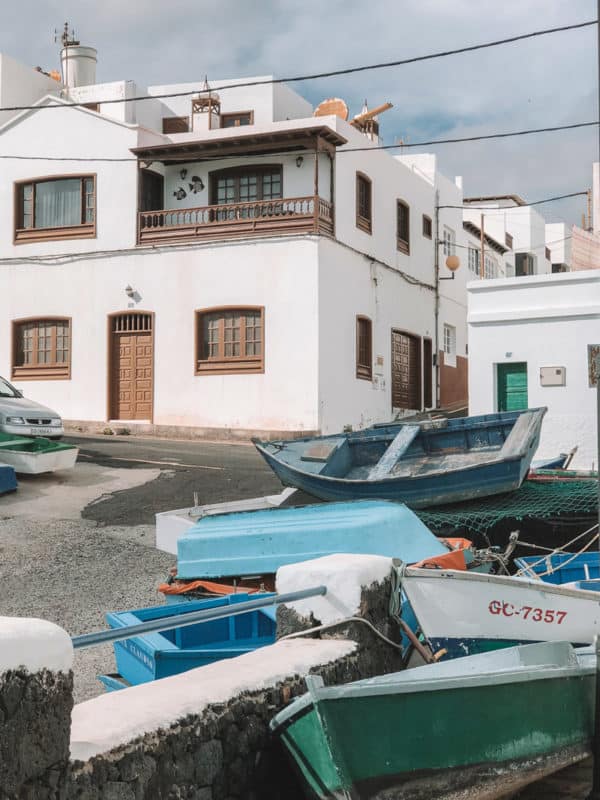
point(544, 500)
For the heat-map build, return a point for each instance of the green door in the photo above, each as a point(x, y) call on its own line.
point(512, 387)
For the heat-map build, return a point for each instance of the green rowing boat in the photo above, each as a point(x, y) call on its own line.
point(476, 727)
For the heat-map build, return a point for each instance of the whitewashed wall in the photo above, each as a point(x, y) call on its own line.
point(544, 321)
point(72, 133)
point(21, 85)
point(280, 275)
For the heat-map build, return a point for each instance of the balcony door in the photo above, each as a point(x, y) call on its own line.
point(152, 191)
point(246, 184)
point(131, 366)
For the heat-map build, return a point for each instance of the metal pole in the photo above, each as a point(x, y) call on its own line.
point(482, 240)
point(598, 432)
point(192, 618)
point(595, 793)
point(436, 281)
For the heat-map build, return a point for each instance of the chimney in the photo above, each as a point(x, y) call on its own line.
point(78, 62)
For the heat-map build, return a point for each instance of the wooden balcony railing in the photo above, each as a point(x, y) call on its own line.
point(285, 215)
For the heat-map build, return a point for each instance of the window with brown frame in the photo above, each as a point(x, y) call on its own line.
point(237, 119)
point(175, 125)
point(246, 184)
point(230, 340)
point(42, 349)
point(55, 208)
point(427, 227)
point(403, 226)
point(364, 219)
point(364, 348)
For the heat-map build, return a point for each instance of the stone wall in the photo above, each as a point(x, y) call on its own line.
point(35, 726)
point(222, 752)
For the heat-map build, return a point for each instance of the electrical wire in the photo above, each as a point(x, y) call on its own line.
point(340, 151)
point(512, 208)
point(330, 73)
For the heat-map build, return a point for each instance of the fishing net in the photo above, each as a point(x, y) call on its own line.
point(541, 500)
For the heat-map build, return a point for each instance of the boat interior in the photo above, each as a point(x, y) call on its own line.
point(411, 449)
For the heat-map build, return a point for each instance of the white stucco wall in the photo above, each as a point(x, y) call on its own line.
point(544, 321)
point(69, 134)
point(350, 285)
point(21, 85)
point(558, 240)
point(280, 275)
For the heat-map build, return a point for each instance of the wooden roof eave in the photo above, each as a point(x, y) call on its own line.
point(489, 240)
point(322, 138)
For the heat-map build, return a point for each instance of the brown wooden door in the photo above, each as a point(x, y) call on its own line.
point(131, 367)
point(406, 371)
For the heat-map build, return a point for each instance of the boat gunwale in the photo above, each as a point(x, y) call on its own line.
point(417, 573)
point(374, 687)
point(390, 479)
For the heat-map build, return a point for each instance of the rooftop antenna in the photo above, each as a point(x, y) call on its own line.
point(66, 39)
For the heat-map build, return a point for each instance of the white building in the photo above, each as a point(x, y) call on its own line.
point(559, 243)
point(223, 262)
point(532, 341)
point(513, 224)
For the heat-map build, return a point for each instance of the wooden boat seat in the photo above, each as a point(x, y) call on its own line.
point(517, 440)
point(397, 448)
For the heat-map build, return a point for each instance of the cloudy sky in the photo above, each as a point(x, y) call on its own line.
point(547, 81)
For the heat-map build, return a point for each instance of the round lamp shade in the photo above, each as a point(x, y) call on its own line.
point(453, 263)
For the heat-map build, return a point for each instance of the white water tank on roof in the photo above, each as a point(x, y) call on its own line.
point(78, 65)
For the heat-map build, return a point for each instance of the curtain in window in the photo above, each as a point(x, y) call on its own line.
point(58, 203)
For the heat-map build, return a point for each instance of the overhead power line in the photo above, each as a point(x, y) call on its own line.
point(372, 148)
point(330, 73)
point(468, 206)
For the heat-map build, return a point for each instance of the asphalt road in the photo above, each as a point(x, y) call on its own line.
point(216, 471)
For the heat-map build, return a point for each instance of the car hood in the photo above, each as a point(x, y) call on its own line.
point(22, 407)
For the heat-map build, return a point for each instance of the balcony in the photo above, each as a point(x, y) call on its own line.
point(226, 221)
point(300, 157)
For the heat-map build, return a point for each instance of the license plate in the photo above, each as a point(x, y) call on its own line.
point(44, 431)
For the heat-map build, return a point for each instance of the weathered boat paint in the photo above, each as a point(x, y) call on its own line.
point(445, 462)
point(446, 730)
point(468, 613)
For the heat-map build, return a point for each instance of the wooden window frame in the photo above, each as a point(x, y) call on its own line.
point(227, 365)
point(235, 115)
point(55, 371)
point(237, 173)
point(362, 222)
point(364, 371)
point(427, 227)
point(85, 230)
point(402, 244)
point(175, 124)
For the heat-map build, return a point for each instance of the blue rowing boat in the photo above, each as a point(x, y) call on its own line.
point(421, 464)
point(152, 656)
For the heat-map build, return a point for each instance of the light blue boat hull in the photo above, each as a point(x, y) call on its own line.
point(259, 542)
point(434, 468)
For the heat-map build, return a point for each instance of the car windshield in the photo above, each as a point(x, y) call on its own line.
point(6, 390)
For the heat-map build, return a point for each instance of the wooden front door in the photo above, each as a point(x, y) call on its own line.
point(512, 387)
point(131, 366)
point(406, 371)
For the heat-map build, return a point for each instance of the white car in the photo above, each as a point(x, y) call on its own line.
point(26, 417)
